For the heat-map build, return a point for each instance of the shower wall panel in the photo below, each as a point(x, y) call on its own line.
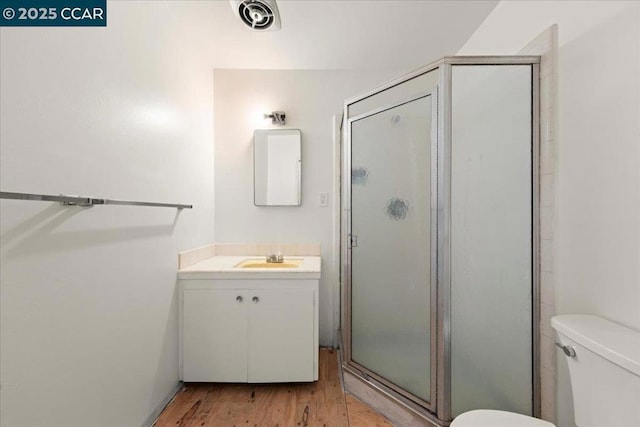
point(491, 238)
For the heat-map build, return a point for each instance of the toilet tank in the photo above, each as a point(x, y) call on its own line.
point(605, 371)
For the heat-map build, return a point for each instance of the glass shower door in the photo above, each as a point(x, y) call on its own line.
point(391, 246)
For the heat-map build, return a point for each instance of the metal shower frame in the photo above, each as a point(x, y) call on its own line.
point(438, 411)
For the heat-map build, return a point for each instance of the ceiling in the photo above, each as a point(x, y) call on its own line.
point(342, 34)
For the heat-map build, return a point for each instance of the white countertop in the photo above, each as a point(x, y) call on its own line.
point(223, 267)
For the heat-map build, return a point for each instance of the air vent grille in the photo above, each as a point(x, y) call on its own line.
point(256, 14)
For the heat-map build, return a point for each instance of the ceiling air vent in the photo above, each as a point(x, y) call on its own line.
point(259, 15)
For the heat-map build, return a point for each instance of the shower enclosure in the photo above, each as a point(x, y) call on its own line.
point(440, 238)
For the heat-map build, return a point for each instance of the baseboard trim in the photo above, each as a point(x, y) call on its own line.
point(151, 419)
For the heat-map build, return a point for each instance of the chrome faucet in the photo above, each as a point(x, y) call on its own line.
point(275, 258)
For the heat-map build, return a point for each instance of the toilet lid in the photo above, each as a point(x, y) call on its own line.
point(491, 418)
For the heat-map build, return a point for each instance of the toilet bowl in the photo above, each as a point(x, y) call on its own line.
point(492, 418)
point(604, 369)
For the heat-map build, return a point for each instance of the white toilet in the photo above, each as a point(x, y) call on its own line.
point(604, 367)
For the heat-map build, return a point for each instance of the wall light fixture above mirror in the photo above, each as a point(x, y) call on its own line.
point(277, 117)
point(277, 167)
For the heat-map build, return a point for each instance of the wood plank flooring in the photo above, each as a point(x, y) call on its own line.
point(321, 404)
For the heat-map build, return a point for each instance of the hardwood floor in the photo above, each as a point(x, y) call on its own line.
point(321, 404)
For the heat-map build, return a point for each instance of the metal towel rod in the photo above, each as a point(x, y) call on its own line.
point(85, 201)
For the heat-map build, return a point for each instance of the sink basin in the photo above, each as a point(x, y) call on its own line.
point(260, 263)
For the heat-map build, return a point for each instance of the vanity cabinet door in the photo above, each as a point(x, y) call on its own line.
point(215, 335)
point(280, 335)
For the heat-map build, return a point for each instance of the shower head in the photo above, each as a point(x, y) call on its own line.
point(259, 15)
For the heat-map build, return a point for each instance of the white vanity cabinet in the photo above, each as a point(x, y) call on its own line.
point(249, 330)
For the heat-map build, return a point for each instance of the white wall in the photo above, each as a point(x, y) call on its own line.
point(310, 99)
point(597, 254)
point(89, 314)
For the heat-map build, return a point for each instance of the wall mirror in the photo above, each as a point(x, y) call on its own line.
point(277, 167)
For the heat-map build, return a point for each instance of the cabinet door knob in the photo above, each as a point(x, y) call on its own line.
point(239, 298)
point(255, 299)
